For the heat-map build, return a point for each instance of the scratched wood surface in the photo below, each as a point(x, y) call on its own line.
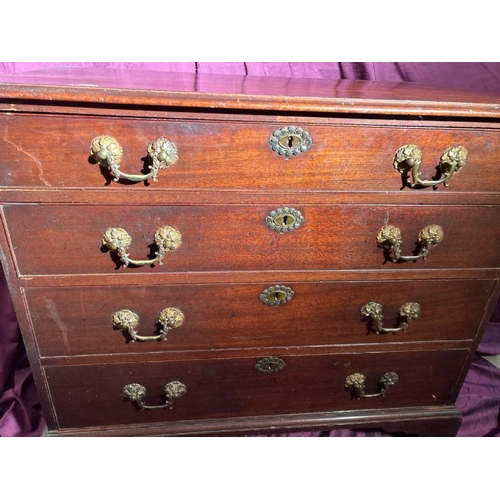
point(56, 203)
point(232, 387)
point(78, 320)
point(62, 239)
point(53, 151)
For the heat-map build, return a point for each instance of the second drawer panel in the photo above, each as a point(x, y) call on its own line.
point(79, 321)
point(68, 239)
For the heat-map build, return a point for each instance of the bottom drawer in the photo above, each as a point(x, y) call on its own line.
point(91, 395)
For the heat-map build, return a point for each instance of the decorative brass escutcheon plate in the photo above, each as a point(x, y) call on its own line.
point(276, 295)
point(270, 365)
point(290, 141)
point(284, 219)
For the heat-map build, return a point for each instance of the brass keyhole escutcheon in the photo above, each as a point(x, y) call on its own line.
point(290, 141)
point(284, 219)
point(276, 295)
point(270, 365)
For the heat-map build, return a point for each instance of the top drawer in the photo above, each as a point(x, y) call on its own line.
point(54, 151)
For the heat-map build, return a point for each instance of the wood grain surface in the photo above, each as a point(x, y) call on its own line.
point(64, 239)
point(78, 321)
point(53, 151)
point(92, 394)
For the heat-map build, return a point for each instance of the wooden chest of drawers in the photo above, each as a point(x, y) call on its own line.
point(226, 255)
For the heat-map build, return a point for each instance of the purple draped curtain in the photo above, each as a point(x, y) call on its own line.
point(479, 399)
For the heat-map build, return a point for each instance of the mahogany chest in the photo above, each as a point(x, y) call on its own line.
point(204, 255)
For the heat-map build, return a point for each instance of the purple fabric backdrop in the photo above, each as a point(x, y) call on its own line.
point(479, 399)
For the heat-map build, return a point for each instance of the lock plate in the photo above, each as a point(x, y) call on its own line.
point(270, 365)
point(276, 295)
point(290, 141)
point(284, 219)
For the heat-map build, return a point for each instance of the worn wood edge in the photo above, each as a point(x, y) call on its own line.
point(203, 196)
point(239, 101)
point(250, 352)
point(488, 311)
point(25, 325)
point(366, 419)
point(254, 277)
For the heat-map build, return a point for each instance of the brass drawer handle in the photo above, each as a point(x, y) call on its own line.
point(128, 322)
point(372, 312)
point(356, 382)
point(118, 240)
point(135, 393)
point(290, 141)
point(107, 152)
point(409, 157)
point(389, 238)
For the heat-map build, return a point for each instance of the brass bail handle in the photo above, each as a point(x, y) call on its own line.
point(135, 393)
point(166, 239)
point(372, 312)
point(389, 238)
point(356, 382)
point(107, 152)
point(128, 322)
point(409, 157)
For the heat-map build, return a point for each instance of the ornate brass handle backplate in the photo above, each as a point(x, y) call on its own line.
point(118, 240)
point(389, 238)
point(409, 157)
point(128, 322)
point(356, 382)
point(135, 393)
point(107, 152)
point(372, 312)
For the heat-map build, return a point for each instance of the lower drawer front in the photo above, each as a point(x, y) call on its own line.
point(91, 395)
point(79, 321)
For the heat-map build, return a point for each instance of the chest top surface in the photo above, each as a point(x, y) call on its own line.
point(150, 88)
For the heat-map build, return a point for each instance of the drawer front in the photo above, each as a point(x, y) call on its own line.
point(63, 239)
point(43, 151)
point(91, 395)
point(79, 321)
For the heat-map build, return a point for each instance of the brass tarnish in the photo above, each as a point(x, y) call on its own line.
point(409, 157)
point(107, 152)
point(135, 393)
point(290, 141)
point(116, 239)
point(270, 365)
point(276, 295)
point(128, 321)
point(389, 238)
point(284, 219)
point(356, 383)
point(372, 312)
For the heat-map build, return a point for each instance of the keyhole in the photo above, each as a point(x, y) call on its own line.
point(284, 220)
point(270, 367)
point(290, 141)
point(277, 296)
